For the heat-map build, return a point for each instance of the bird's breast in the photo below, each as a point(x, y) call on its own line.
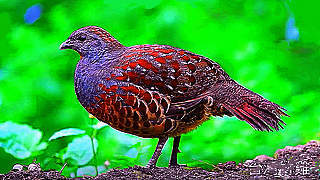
point(86, 83)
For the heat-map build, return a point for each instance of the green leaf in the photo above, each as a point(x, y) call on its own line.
point(42, 146)
point(66, 132)
point(80, 150)
point(99, 125)
point(87, 170)
point(21, 141)
point(90, 170)
point(123, 161)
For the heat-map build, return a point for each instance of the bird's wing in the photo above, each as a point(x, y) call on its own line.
point(180, 75)
point(189, 81)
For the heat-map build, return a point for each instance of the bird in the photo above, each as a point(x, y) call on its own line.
point(159, 91)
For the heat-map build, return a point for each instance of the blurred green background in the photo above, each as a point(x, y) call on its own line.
point(269, 46)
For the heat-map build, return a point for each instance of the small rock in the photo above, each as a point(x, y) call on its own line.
point(17, 167)
point(248, 162)
point(262, 158)
point(34, 167)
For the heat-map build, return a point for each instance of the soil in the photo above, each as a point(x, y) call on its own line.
point(298, 162)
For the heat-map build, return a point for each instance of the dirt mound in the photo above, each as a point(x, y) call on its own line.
point(294, 162)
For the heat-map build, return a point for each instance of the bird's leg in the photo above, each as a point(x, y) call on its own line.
point(153, 161)
point(175, 150)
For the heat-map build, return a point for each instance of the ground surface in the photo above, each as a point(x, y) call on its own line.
point(299, 162)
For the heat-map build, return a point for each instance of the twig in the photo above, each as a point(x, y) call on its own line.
point(214, 166)
point(65, 164)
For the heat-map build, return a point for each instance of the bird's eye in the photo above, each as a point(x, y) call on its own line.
point(82, 38)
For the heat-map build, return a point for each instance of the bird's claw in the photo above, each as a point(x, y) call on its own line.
point(177, 165)
point(150, 166)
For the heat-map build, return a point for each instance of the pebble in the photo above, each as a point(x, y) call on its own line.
point(262, 158)
point(34, 167)
point(17, 167)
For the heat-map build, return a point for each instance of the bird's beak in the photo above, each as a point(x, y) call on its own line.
point(66, 45)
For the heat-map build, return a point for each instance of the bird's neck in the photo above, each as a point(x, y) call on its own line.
point(102, 55)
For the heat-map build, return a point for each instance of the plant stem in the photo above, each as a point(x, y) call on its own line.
point(93, 148)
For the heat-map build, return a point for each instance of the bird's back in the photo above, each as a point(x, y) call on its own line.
point(174, 72)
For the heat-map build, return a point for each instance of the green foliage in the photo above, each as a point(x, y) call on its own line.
point(66, 132)
point(89, 170)
point(252, 40)
point(21, 141)
point(79, 150)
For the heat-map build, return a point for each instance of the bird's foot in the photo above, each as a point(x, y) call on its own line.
point(143, 169)
point(175, 165)
point(151, 165)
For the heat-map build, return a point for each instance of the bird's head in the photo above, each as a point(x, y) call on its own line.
point(90, 40)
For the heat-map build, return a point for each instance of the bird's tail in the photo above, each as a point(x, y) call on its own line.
point(248, 106)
